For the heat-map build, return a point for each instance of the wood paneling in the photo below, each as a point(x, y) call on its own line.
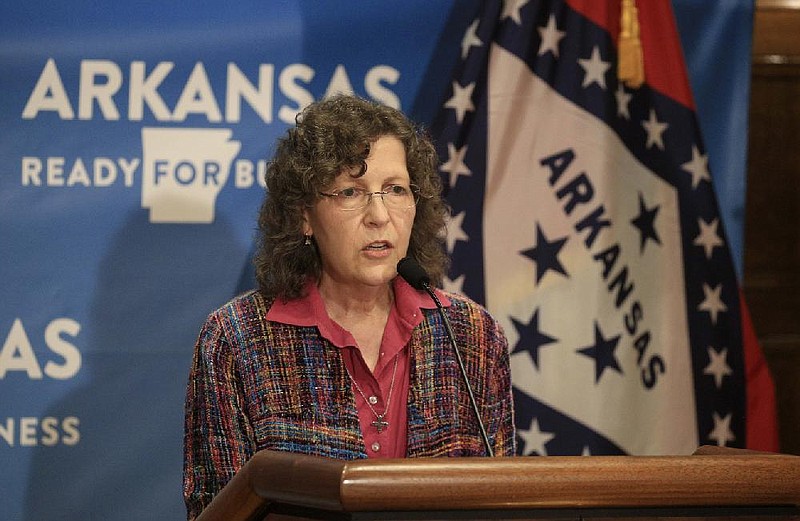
point(772, 226)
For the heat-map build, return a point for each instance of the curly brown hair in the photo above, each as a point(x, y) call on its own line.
point(331, 136)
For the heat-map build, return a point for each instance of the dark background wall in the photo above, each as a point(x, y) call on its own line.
point(772, 223)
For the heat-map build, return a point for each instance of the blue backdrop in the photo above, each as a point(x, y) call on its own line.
point(133, 137)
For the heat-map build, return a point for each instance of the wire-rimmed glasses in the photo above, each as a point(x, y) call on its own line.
point(395, 197)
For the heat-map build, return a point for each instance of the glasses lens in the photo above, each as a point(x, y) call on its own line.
point(351, 198)
point(399, 196)
point(352, 203)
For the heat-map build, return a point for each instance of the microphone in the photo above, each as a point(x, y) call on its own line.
point(417, 278)
point(414, 274)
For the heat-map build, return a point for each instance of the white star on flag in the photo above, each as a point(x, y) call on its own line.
point(712, 302)
point(595, 69)
point(470, 39)
point(697, 167)
point(511, 10)
point(455, 165)
point(454, 286)
point(722, 430)
point(654, 129)
point(455, 232)
point(461, 101)
point(535, 439)
point(708, 237)
point(718, 366)
point(551, 36)
point(623, 99)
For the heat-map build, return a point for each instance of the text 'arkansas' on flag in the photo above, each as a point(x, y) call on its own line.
point(584, 218)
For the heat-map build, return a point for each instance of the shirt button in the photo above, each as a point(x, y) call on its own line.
point(373, 400)
point(376, 447)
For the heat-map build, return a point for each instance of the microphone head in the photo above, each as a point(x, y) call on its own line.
point(413, 273)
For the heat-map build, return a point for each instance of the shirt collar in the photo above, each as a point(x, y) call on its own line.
point(309, 310)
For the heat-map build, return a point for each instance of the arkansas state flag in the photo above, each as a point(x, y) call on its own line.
point(584, 218)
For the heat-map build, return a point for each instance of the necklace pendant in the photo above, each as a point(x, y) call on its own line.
point(380, 423)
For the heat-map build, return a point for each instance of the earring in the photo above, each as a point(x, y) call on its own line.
point(308, 241)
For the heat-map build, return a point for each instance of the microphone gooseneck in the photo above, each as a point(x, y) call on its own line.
point(417, 278)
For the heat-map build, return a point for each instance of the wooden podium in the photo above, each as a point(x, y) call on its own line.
point(710, 484)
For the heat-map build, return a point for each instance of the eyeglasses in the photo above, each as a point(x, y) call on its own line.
point(395, 197)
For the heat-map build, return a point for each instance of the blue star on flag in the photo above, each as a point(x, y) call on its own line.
point(645, 223)
point(545, 254)
point(602, 351)
point(531, 338)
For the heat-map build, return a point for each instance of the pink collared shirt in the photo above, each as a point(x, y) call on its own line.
point(384, 391)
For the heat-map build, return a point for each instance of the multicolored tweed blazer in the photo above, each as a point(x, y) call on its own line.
point(257, 384)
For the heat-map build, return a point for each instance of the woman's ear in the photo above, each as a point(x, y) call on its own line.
point(307, 229)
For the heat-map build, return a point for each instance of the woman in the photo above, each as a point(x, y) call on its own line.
point(335, 355)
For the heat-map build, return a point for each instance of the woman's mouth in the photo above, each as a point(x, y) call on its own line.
point(378, 246)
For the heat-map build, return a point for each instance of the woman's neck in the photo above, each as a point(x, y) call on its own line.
point(348, 301)
point(363, 313)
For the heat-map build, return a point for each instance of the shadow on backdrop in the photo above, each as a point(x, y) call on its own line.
point(156, 284)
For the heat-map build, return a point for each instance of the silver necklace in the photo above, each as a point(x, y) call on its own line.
point(380, 423)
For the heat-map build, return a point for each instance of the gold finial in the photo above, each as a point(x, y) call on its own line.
point(630, 66)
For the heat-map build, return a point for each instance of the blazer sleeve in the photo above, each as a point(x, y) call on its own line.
point(218, 438)
point(500, 396)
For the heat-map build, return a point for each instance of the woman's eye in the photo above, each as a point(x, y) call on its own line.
point(397, 190)
point(348, 192)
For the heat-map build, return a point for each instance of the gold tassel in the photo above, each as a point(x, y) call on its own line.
point(630, 66)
